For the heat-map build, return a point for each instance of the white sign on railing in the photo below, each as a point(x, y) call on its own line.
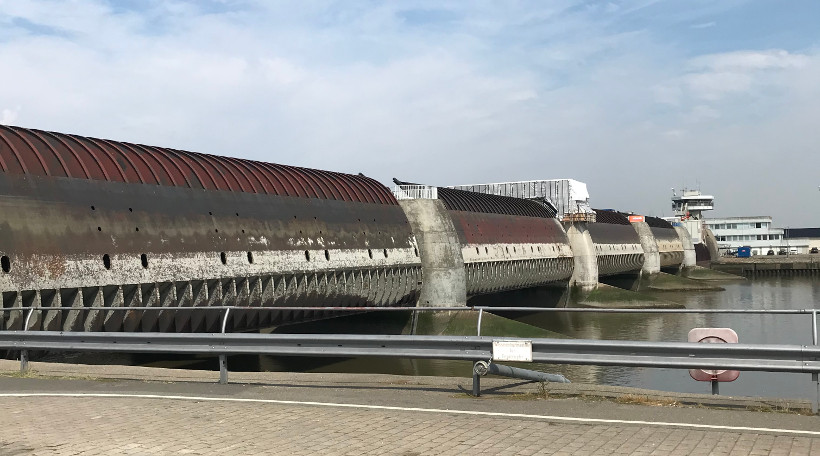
point(404, 192)
point(512, 350)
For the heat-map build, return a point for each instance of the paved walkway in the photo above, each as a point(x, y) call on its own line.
point(359, 414)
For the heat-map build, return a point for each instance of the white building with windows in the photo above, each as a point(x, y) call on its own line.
point(756, 232)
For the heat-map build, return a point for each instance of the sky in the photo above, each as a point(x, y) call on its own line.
point(632, 97)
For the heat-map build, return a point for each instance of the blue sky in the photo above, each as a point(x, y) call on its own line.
point(632, 97)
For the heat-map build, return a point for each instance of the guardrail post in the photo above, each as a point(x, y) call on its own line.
point(23, 361)
point(815, 407)
point(478, 325)
point(223, 359)
point(223, 369)
point(476, 382)
point(24, 353)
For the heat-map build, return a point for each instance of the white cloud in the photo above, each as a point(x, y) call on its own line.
point(9, 116)
point(493, 93)
point(743, 61)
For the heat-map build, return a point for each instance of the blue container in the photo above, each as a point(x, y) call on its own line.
point(744, 252)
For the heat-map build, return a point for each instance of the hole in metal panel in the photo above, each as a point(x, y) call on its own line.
point(370, 253)
point(99, 228)
point(327, 255)
point(385, 253)
point(250, 256)
point(223, 258)
point(307, 255)
point(5, 262)
point(107, 261)
point(93, 208)
point(144, 260)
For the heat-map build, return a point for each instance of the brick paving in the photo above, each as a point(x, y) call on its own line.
point(140, 426)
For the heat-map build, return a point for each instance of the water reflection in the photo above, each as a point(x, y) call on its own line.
point(761, 293)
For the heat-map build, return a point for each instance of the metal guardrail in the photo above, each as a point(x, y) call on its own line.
point(755, 357)
point(403, 192)
point(681, 355)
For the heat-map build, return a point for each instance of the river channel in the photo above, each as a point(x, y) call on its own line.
point(760, 293)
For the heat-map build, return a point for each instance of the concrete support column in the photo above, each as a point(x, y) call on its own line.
point(711, 243)
point(689, 257)
point(651, 257)
point(445, 281)
point(585, 270)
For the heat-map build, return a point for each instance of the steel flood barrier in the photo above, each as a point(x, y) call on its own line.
point(478, 349)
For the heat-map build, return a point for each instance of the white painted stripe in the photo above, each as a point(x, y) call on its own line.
point(425, 410)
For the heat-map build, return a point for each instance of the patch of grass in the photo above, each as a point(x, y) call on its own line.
point(18, 374)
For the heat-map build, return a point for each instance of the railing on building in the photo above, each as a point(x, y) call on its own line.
point(405, 192)
point(681, 355)
point(569, 197)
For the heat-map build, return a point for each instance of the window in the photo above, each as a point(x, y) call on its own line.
point(758, 225)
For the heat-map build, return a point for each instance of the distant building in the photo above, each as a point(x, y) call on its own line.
point(809, 237)
point(755, 232)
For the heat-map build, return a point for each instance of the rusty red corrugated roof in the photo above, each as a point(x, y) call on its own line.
point(43, 153)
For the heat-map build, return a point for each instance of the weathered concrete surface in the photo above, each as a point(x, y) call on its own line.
point(445, 283)
point(651, 256)
point(711, 243)
point(689, 257)
point(585, 264)
point(376, 414)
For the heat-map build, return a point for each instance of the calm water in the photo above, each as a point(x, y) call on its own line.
point(766, 293)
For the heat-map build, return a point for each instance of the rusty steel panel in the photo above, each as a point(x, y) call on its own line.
point(611, 217)
point(87, 222)
point(665, 234)
point(40, 153)
point(461, 200)
point(511, 251)
point(655, 222)
point(607, 233)
point(485, 228)
point(670, 247)
point(617, 244)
